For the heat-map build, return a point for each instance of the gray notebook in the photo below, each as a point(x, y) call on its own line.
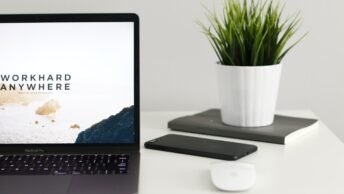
point(283, 130)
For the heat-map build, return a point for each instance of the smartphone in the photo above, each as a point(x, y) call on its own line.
point(201, 147)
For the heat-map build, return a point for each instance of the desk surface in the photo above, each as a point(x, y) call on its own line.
point(313, 163)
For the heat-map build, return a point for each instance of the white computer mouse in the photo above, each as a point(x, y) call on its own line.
point(233, 176)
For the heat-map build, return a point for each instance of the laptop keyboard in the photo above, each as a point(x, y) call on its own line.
point(63, 164)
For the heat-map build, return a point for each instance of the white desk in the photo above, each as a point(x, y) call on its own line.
point(311, 164)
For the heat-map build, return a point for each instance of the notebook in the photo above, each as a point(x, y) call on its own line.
point(283, 130)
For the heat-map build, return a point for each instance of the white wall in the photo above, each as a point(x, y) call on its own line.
point(178, 70)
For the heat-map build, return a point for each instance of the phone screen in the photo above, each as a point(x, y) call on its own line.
point(201, 147)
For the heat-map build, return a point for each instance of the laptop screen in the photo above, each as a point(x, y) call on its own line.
point(67, 83)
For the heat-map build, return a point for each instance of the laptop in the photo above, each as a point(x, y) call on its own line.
point(69, 104)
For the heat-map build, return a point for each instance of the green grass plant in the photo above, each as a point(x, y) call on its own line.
point(251, 32)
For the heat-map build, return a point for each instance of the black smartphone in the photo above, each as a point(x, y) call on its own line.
point(201, 147)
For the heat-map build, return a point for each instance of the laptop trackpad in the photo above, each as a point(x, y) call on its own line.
point(35, 184)
point(103, 184)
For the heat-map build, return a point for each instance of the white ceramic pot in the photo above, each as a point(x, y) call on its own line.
point(248, 94)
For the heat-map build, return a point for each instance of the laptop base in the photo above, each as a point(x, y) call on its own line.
point(74, 184)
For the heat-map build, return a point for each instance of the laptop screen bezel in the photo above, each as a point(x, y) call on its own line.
point(82, 148)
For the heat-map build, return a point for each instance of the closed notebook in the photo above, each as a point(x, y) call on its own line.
point(283, 130)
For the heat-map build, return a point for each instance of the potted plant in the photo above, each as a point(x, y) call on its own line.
point(250, 40)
